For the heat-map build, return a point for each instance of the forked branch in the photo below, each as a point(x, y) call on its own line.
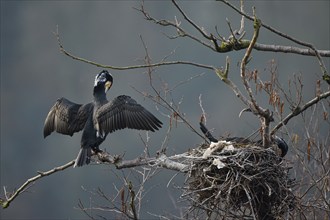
point(264, 114)
point(162, 63)
point(103, 157)
point(311, 51)
point(298, 110)
point(6, 202)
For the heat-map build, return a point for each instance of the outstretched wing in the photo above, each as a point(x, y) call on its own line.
point(67, 117)
point(124, 112)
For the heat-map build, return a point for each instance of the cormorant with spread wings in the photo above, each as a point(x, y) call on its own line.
point(98, 118)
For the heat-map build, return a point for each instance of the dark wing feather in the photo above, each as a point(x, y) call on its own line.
point(67, 117)
point(124, 112)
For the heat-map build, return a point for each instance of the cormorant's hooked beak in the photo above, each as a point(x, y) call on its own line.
point(107, 85)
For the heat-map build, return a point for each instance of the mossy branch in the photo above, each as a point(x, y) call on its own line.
point(310, 51)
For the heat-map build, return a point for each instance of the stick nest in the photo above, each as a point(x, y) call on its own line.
point(238, 181)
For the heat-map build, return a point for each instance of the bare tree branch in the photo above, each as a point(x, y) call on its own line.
point(205, 35)
point(326, 76)
point(180, 31)
point(241, 30)
point(161, 161)
point(264, 114)
point(148, 61)
point(163, 63)
point(6, 202)
point(290, 49)
point(299, 110)
point(225, 47)
point(254, 107)
point(223, 75)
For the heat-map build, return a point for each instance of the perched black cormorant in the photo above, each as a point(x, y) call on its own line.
point(280, 142)
point(98, 118)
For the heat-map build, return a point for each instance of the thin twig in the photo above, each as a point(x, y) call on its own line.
point(181, 32)
point(316, 52)
point(223, 75)
point(191, 22)
point(69, 54)
point(7, 202)
point(148, 61)
point(241, 30)
point(299, 110)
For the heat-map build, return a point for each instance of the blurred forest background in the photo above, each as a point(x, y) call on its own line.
point(34, 74)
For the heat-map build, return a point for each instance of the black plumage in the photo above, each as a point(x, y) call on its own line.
point(98, 118)
point(281, 143)
point(207, 133)
point(66, 117)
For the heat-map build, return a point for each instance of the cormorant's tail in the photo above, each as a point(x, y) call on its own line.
point(84, 157)
point(207, 133)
